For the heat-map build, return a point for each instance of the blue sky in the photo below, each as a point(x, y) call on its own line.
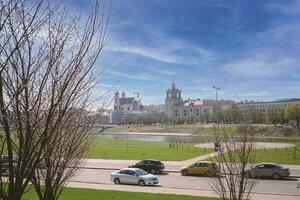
point(249, 48)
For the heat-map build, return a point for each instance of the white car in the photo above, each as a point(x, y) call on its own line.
point(133, 176)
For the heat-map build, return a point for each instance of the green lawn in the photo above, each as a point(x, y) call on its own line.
point(89, 194)
point(282, 156)
point(137, 150)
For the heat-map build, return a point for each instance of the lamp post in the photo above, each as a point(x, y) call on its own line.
point(217, 112)
point(217, 88)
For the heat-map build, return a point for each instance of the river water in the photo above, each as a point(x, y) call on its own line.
point(158, 137)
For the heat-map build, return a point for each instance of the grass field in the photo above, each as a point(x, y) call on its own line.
point(117, 149)
point(283, 156)
point(90, 194)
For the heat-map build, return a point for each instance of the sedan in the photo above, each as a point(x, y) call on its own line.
point(272, 170)
point(133, 176)
point(201, 168)
point(152, 166)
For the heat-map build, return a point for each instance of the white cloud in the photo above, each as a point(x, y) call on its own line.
point(258, 66)
point(292, 8)
point(143, 76)
point(167, 72)
point(158, 46)
point(168, 55)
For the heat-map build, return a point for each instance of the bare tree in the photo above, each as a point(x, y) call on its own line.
point(46, 82)
point(233, 159)
point(68, 145)
point(19, 23)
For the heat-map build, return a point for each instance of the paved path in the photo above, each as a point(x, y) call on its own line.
point(258, 145)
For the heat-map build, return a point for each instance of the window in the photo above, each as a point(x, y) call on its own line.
point(269, 167)
point(261, 166)
point(147, 162)
point(132, 173)
point(204, 165)
point(141, 172)
point(141, 163)
point(195, 165)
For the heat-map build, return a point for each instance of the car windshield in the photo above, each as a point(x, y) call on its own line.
point(141, 172)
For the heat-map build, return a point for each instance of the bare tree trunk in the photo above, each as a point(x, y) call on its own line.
point(46, 82)
point(233, 160)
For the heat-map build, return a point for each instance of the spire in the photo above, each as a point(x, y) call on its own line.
point(173, 85)
point(123, 94)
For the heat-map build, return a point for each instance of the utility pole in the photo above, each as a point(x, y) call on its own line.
point(217, 112)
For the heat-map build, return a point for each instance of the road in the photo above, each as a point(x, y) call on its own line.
point(174, 183)
point(171, 166)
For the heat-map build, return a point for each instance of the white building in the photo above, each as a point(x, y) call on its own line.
point(264, 105)
point(176, 107)
point(125, 105)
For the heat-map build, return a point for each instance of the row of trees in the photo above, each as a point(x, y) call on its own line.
point(145, 118)
point(46, 81)
point(272, 115)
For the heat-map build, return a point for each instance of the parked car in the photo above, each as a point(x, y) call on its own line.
point(151, 166)
point(272, 170)
point(4, 169)
point(4, 159)
point(201, 168)
point(133, 176)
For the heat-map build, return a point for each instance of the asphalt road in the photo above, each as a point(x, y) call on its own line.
point(176, 184)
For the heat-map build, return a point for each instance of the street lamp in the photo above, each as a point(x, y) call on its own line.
point(217, 108)
point(217, 88)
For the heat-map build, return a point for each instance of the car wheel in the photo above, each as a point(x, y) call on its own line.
point(117, 181)
point(248, 175)
point(276, 176)
point(141, 182)
point(184, 173)
point(152, 171)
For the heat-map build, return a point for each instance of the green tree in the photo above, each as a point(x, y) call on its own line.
point(292, 113)
point(274, 115)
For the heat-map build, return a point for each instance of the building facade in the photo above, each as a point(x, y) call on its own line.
point(264, 105)
point(125, 105)
point(176, 107)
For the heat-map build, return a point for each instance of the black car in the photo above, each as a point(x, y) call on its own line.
point(151, 166)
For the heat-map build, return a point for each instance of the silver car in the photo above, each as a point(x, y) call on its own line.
point(272, 170)
point(133, 176)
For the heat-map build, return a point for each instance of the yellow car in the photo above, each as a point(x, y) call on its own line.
point(201, 168)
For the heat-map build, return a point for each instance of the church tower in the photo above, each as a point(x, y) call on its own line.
point(173, 98)
point(117, 101)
